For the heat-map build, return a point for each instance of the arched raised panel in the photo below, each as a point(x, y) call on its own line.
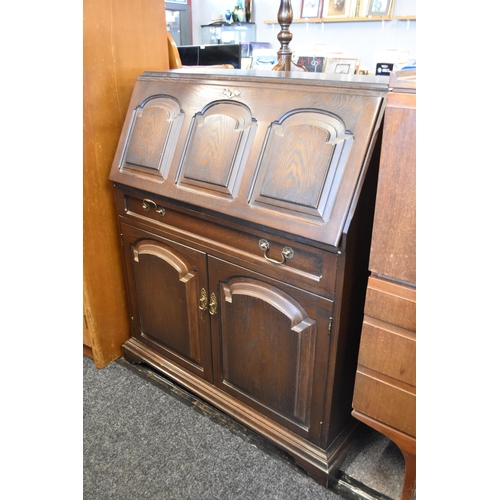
point(166, 288)
point(167, 254)
point(153, 136)
point(268, 343)
point(217, 148)
point(301, 165)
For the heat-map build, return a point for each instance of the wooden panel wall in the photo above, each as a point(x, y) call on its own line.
point(122, 39)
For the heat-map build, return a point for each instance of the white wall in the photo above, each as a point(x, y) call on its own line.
point(358, 39)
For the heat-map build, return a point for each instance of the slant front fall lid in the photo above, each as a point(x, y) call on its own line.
point(260, 147)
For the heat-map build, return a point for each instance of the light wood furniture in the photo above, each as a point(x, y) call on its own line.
point(385, 389)
point(116, 49)
point(245, 202)
point(174, 57)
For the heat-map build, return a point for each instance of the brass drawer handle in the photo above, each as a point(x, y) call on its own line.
point(146, 205)
point(286, 253)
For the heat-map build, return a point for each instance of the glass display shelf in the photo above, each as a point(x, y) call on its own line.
point(222, 33)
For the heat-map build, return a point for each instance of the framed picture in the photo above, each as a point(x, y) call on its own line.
point(336, 8)
point(310, 8)
point(342, 66)
point(361, 8)
point(379, 7)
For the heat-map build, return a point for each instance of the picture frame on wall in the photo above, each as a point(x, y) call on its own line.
point(336, 8)
point(379, 7)
point(310, 9)
point(361, 8)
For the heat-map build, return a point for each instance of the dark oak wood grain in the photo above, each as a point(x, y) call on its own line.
point(328, 113)
point(167, 279)
point(270, 339)
point(247, 257)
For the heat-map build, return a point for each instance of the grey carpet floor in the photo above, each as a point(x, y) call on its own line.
point(143, 442)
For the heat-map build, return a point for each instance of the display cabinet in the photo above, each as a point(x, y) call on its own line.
point(228, 33)
point(245, 204)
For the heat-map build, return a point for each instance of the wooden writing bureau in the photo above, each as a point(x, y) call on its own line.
point(385, 387)
point(245, 204)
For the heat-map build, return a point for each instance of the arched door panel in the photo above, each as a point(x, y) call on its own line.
point(270, 345)
point(167, 281)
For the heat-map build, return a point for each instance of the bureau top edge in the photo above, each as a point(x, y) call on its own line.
point(359, 82)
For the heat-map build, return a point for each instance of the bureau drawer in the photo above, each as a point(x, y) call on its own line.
point(386, 402)
point(388, 349)
point(391, 302)
point(304, 265)
point(385, 386)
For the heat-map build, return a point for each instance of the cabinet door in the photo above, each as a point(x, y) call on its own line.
point(167, 282)
point(270, 345)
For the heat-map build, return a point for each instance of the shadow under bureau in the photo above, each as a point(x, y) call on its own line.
point(245, 204)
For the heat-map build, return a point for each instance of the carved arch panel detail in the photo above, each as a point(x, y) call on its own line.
point(162, 274)
point(268, 346)
point(301, 165)
point(152, 136)
point(217, 148)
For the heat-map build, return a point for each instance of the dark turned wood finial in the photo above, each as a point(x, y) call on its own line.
point(285, 18)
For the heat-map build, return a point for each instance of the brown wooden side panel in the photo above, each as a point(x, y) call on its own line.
point(116, 49)
point(393, 250)
point(166, 282)
point(387, 403)
point(388, 349)
point(270, 346)
point(88, 333)
point(391, 302)
point(217, 148)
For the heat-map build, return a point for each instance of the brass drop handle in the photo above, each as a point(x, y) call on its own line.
point(204, 305)
point(286, 253)
point(212, 307)
point(146, 205)
point(203, 300)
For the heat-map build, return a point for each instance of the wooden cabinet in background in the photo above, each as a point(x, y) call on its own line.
point(245, 201)
point(116, 48)
point(385, 388)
